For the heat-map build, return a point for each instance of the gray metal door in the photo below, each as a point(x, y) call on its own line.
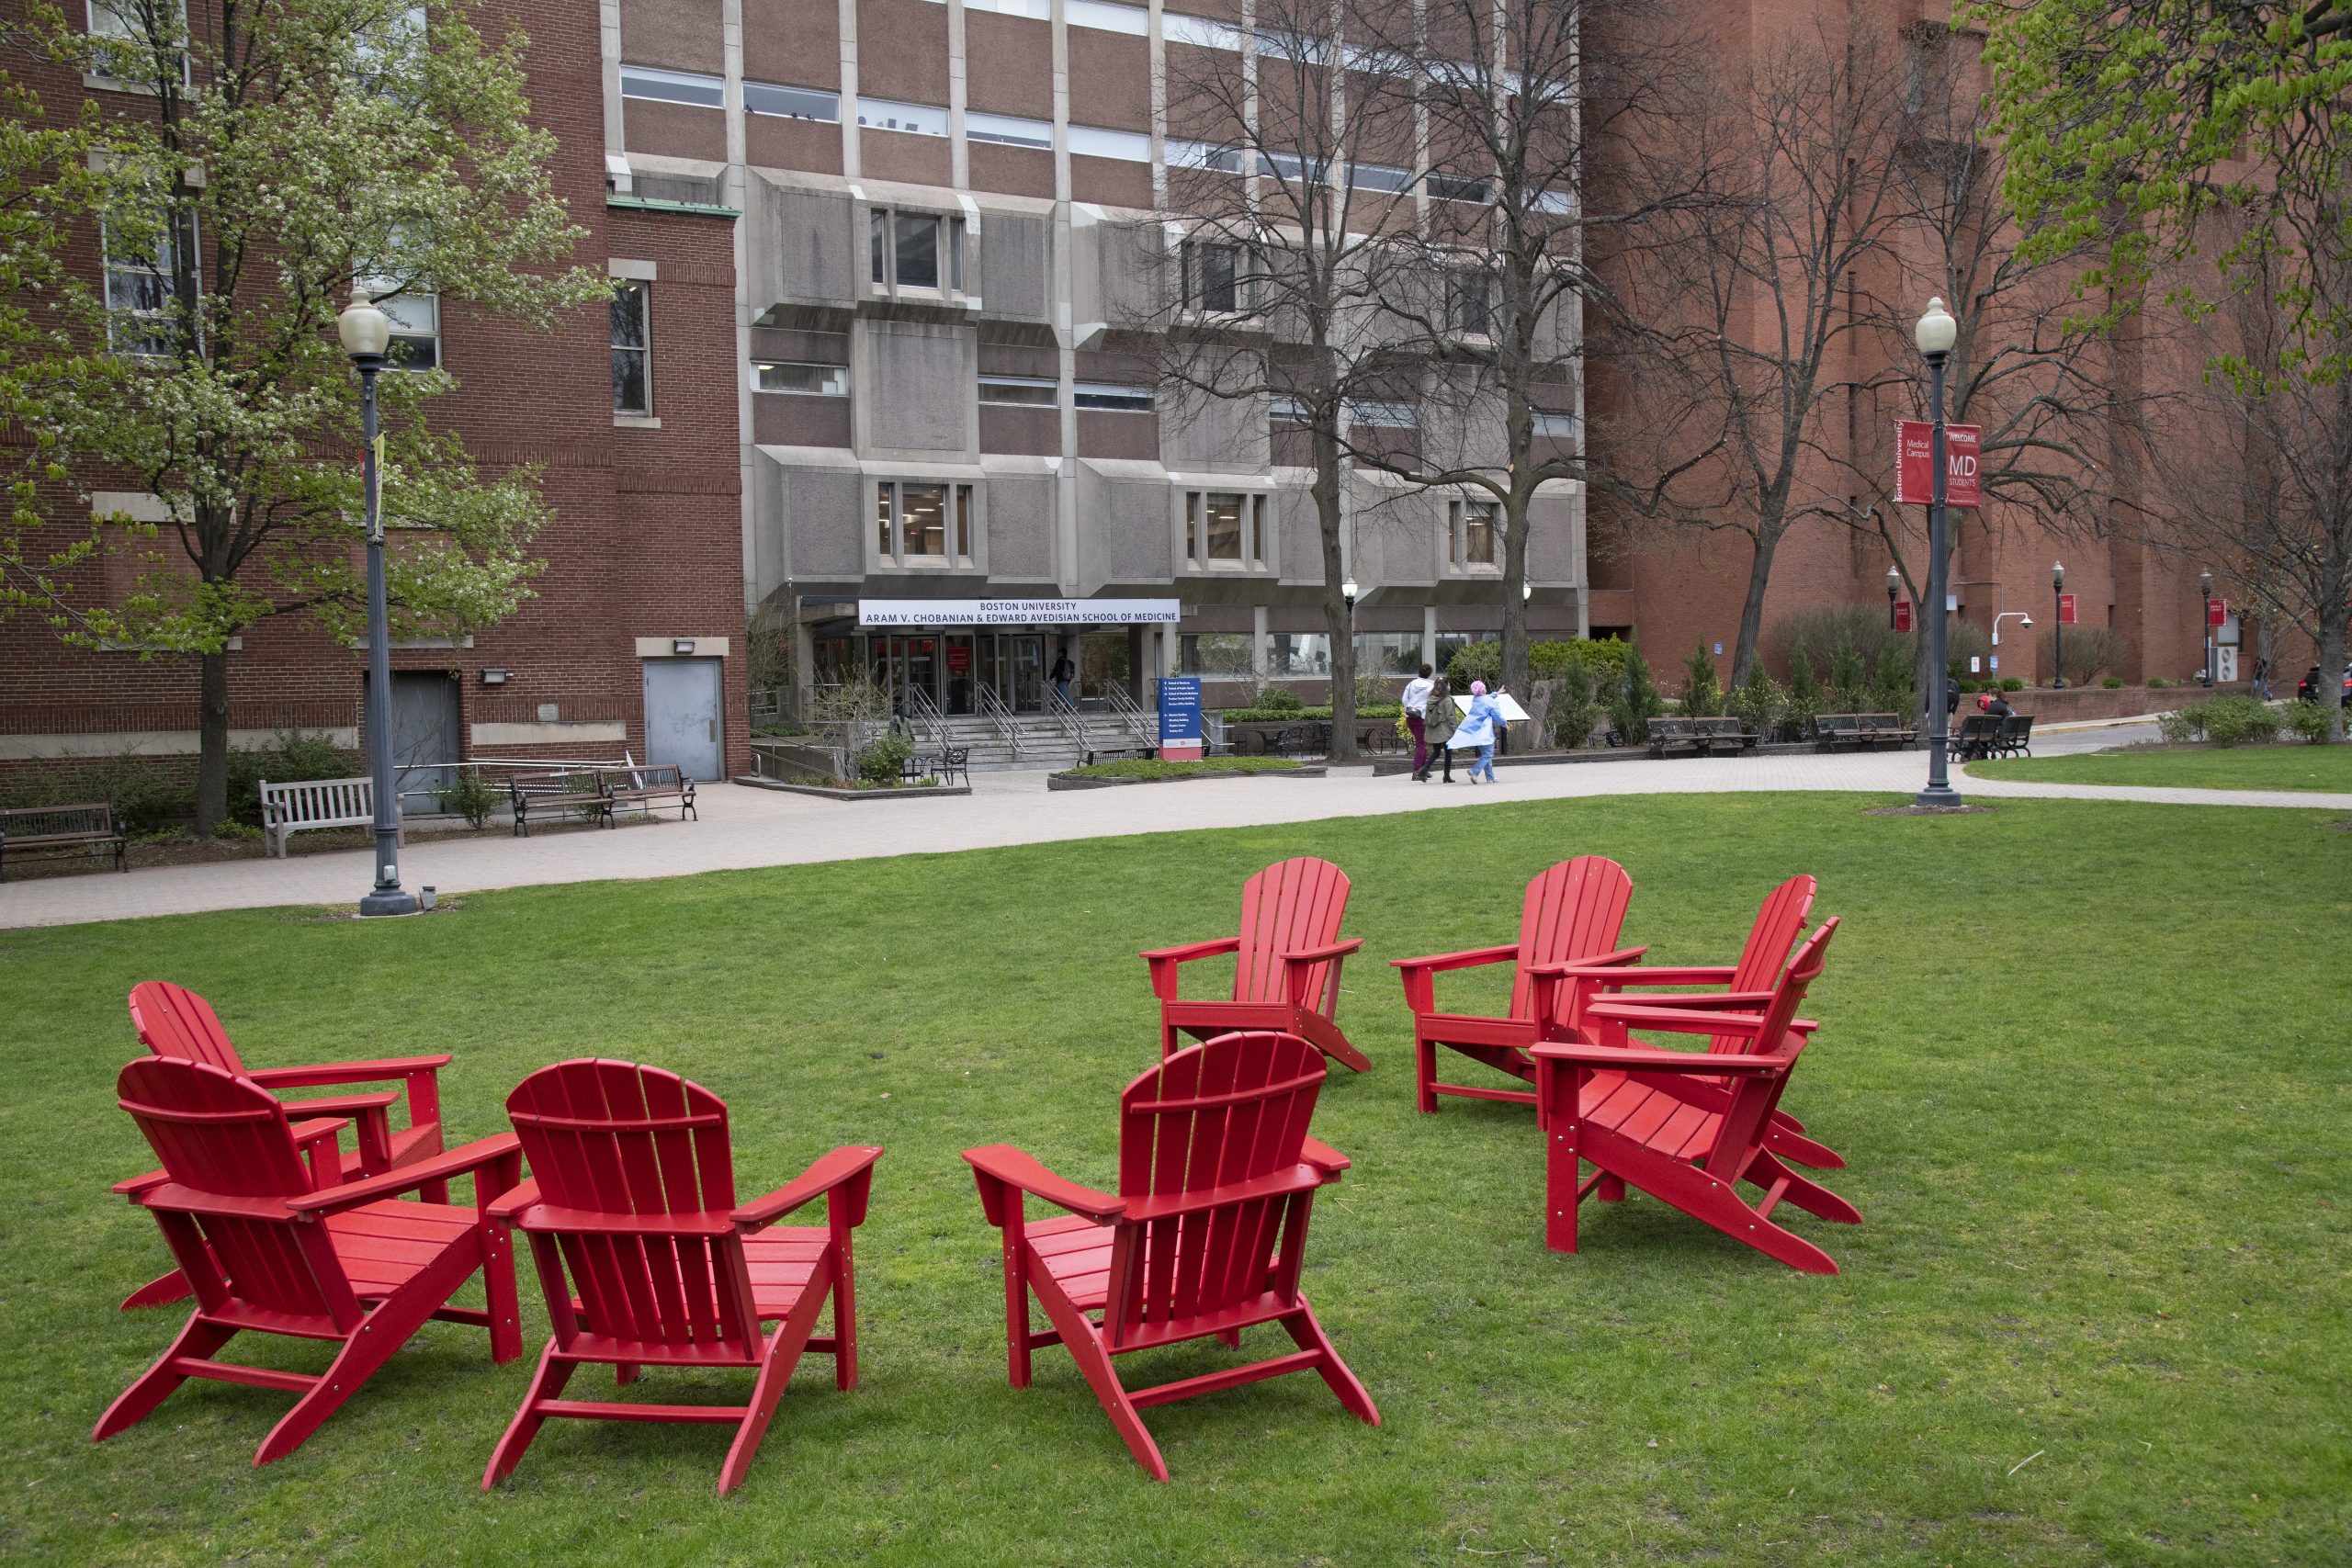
point(424, 737)
point(682, 715)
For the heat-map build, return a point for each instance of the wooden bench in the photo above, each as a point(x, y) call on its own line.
point(555, 793)
point(1979, 737)
point(1831, 730)
point(290, 809)
point(653, 784)
point(1725, 735)
point(53, 830)
point(2016, 736)
point(1143, 753)
point(1885, 727)
point(1670, 734)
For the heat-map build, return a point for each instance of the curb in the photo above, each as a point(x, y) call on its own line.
point(821, 792)
point(1064, 781)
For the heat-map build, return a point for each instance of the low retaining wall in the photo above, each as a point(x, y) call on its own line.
point(1067, 781)
point(2076, 705)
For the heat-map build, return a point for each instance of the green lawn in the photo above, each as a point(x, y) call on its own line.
point(2089, 1064)
point(2290, 766)
point(1178, 768)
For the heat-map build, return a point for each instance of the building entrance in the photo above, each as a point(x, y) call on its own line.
point(958, 670)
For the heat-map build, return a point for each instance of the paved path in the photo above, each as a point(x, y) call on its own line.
point(744, 826)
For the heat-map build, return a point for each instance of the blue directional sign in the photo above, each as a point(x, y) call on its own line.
point(1180, 711)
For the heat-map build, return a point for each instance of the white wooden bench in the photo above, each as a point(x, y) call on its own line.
point(289, 808)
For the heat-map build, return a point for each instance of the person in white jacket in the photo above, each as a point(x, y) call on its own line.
point(1479, 727)
point(1418, 691)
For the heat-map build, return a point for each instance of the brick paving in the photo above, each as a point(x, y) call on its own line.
point(743, 827)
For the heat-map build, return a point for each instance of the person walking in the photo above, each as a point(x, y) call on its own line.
point(2262, 679)
point(1479, 726)
point(1418, 691)
point(1064, 673)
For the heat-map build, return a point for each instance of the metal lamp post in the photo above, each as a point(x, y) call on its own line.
point(1894, 587)
point(367, 333)
point(2058, 622)
point(1935, 334)
point(2205, 590)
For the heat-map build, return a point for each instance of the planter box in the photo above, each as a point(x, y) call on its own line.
point(1068, 781)
point(823, 792)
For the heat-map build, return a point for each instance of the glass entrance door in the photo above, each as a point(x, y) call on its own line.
point(1014, 665)
point(958, 694)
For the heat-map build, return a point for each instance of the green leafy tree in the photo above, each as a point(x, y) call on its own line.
point(268, 154)
point(1757, 702)
point(1804, 696)
point(1638, 700)
point(1849, 681)
point(1574, 713)
point(1891, 681)
point(1700, 696)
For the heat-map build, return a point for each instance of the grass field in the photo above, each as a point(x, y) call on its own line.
point(2088, 1063)
point(2290, 766)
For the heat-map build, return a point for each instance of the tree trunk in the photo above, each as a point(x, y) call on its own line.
point(212, 742)
point(1751, 609)
point(2333, 623)
point(1515, 677)
point(1338, 616)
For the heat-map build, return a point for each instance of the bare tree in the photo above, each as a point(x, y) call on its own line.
point(1287, 212)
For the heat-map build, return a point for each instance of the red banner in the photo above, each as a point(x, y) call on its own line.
point(1915, 465)
point(2217, 612)
point(2065, 609)
point(1903, 614)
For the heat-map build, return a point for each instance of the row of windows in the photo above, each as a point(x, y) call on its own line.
point(1308, 654)
point(918, 522)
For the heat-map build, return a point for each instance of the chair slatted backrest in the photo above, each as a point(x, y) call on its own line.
point(1754, 1098)
point(1573, 910)
point(622, 1141)
point(1216, 1114)
point(173, 1021)
point(1291, 904)
point(225, 1135)
point(1778, 924)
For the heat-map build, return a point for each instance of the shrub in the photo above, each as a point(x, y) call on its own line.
point(1701, 698)
point(1814, 636)
point(2090, 651)
point(2224, 721)
point(1574, 713)
point(1757, 701)
point(1848, 684)
point(1374, 693)
point(1280, 700)
point(2113, 683)
point(1891, 681)
point(1636, 702)
point(291, 757)
point(1605, 657)
point(2307, 719)
point(1474, 661)
point(2156, 683)
point(2012, 684)
point(879, 760)
point(472, 797)
point(1802, 702)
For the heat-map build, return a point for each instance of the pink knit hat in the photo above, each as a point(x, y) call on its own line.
point(1478, 688)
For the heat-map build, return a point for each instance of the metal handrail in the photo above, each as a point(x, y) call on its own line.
point(993, 709)
point(1064, 711)
point(1138, 723)
point(923, 713)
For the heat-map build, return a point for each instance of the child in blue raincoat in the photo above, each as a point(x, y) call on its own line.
point(1479, 726)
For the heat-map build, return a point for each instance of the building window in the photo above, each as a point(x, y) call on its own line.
point(1559, 426)
point(632, 348)
point(672, 86)
point(1388, 653)
point(1100, 141)
point(915, 524)
point(408, 299)
point(1474, 526)
point(1038, 391)
point(1225, 527)
point(1106, 397)
point(1284, 409)
point(1299, 654)
point(810, 380)
point(127, 44)
point(1469, 303)
point(1384, 413)
point(1217, 653)
point(881, 114)
point(139, 288)
point(915, 250)
point(1008, 130)
point(792, 103)
point(1217, 279)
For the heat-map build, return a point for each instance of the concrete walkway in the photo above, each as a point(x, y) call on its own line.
point(744, 826)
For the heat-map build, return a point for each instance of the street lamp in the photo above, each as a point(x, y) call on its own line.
point(2024, 620)
point(2058, 623)
point(1935, 334)
point(367, 333)
point(2205, 588)
point(1348, 591)
point(1894, 587)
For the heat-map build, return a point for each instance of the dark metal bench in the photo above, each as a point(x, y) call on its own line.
point(1979, 737)
point(50, 831)
point(1145, 753)
point(2016, 736)
point(1831, 730)
point(1669, 734)
point(655, 783)
point(1885, 727)
point(552, 793)
point(1726, 735)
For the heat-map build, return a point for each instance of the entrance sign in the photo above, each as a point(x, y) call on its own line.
point(1179, 717)
point(1915, 466)
point(1017, 611)
point(2065, 609)
point(1903, 614)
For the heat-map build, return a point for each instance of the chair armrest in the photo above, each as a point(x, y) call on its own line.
point(346, 1072)
point(1322, 954)
point(408, 1178)
point(1279, 1184)
point(1674, 1021)
point(132, 1186)
point(1323, 1156)
point(546, 1218)
point(345, 1104)
point(1706, 1000)
point(1437, 963)
point(1192, 950)
point(1674, 974)
point(172, 1198)
point(1639, 1059)
point(1000, 1166)
point(1601, 963)
point(825, 1173)
point(515, 1200)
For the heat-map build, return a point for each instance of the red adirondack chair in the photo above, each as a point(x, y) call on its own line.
point(1205, 1236)
point(1745, 987)
point(1572, 914)
point(268, 1251)
point(173, 1021)
point(1286, 971)
point(632, 1190)
point(1685, 1126)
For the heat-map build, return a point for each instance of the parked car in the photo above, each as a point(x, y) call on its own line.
point(2307, 689)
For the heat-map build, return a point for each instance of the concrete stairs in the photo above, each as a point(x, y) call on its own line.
point(1045, 743)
